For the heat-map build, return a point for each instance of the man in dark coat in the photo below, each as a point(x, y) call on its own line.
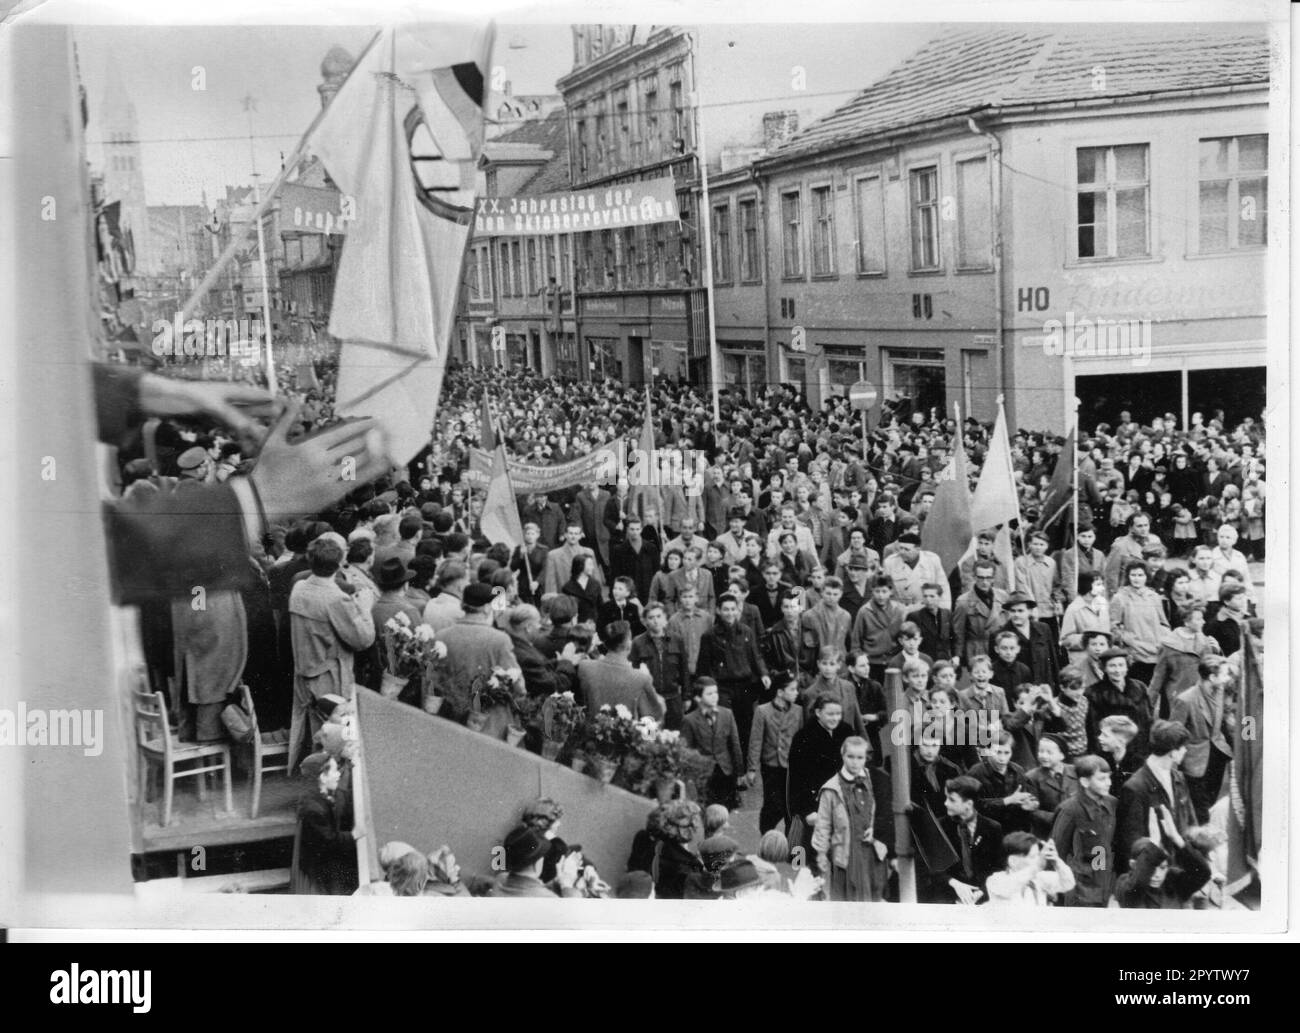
point(814, 758)
point(1159, 782)
point(976, 840)
point(547, 516)
point(935, 623)
point(636, 557)
point(664, 655)
point(1037, 644)
point(729, 655)
point(589, 507)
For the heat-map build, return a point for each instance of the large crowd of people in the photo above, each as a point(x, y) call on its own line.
point(1068, 719)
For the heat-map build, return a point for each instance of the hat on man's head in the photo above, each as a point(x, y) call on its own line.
point(1112, 654)
point(524, 847)
point(392, 573)
point(910, 538)
point(740, 875)
point(192, 458)
point(477, 594)
point(735, 513)
point(1019, 599)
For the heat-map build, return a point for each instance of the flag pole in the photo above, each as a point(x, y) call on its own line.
point(1076, 497)
point(1015, 495)
point(702, 156)
point(263, 204)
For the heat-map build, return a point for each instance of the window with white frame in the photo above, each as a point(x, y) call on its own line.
point(1113, 202)
point(823, 231)
point(974, 215)
point(871, 224)
point(1233, 193)
point(791, 233)
point(924, 187)
point(481, 274)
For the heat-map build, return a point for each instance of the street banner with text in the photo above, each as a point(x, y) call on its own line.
point(628, 204)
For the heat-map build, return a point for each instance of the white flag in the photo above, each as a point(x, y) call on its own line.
point(401, 139)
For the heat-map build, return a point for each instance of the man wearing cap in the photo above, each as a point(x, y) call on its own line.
point(911, 567)
point(195, 466)
point(857, 589)
point(327, 625)
point(474, 648)
point(1037, 643)
point(857, 552)
point(525, 852)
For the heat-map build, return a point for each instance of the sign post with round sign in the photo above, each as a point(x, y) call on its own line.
point(863, 397)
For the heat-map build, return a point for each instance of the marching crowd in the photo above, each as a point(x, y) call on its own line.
point(1075, 704)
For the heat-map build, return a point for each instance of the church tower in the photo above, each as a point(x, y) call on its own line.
point(117, 127)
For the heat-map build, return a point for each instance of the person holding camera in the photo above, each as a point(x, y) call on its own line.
point(1034, 873)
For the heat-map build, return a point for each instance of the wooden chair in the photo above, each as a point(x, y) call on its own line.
point(158, 745)
point(262, 751)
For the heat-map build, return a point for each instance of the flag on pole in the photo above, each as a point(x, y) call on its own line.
point(1246, 781)
point(500, 520)
point(947, 530)
point(995, 502)
point(402, 139)
point(1060, 489)
point(487, 436)
point(645, 496)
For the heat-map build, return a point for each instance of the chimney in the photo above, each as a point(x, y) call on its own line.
point(778, 128)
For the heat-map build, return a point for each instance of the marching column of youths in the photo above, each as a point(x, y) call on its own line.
point(1068, 739)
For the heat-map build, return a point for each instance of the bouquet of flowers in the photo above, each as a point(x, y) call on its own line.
point(665, 760)
point(612, 733)
point(405, 645)
point(562, 717)
point(496, 689)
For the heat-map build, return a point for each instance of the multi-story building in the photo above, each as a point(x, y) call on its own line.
point(631, 115)
point(954, 228)
point(516, 306)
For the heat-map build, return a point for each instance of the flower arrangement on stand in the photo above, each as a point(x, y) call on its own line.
point(404, 647)
point(611, 735)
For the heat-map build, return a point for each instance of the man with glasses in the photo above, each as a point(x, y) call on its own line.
point(977, 613)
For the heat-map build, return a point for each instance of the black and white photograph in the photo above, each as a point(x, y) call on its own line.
point(800, 469)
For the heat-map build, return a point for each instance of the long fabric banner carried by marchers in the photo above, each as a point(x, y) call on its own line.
point(601, 466)
point(628, 204)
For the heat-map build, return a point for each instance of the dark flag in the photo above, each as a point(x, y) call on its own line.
point(1246, 776)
